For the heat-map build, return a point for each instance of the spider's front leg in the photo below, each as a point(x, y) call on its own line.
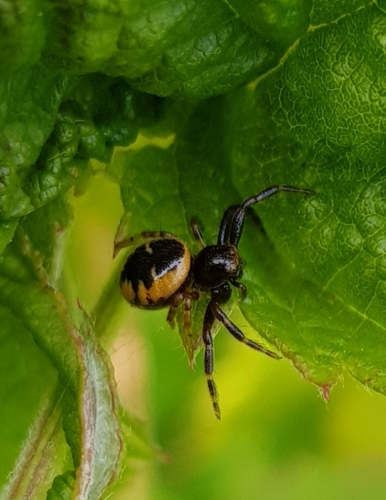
point(209, 359)
point(219, 314)
point(219, 295)
point(241, 288)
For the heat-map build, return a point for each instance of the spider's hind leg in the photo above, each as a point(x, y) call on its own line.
point(197, 233)
point(173, 306)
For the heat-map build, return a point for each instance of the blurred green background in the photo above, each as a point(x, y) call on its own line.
point(277, 439)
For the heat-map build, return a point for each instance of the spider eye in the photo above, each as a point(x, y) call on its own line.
point(216, 264)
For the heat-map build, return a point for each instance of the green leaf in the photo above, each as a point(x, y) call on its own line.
point(21, 21)
point(283, 21)
point(80, 397)
point(325, 11)
point(322, 128)
point(53, 126)
point(7, 230)
point(193, 49)
point(31, 98)
point(154, 173)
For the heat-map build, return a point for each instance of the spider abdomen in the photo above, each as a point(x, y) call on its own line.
point(155, 271)
point(216, 264)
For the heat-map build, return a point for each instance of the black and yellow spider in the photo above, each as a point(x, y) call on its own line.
point(161, 272)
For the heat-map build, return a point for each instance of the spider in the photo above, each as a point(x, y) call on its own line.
point(161, 272)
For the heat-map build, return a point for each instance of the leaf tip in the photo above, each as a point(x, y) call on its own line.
point(325, 392)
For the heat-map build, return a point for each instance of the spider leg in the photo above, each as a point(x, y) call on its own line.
point(197, 233)
point(184, 297)
point(242, 288)
point(226, 225)
point(187, 311)
point(237, 222)
point(173, 306)
point(143, 237)
point(219, 314)
point(209, 359)
point(270, 191)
